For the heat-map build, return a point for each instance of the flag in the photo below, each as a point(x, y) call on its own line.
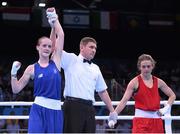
point(16, 14)
point(76, 18)
point(132, 21)
point(161, 21)
point(105, 20)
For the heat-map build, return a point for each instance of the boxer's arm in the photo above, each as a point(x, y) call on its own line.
point(57, 37)
point(18, 85)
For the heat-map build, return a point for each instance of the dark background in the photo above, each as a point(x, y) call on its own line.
point(19, 41)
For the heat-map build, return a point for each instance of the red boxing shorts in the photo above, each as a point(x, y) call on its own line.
point(147, 125)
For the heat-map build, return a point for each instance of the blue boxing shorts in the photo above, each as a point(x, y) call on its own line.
point(45, 120)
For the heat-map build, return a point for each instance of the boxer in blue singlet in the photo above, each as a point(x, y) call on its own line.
point(45, 115)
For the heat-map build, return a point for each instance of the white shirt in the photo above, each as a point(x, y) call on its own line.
point(81, 79)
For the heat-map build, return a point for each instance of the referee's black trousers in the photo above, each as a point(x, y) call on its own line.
point(79, 116)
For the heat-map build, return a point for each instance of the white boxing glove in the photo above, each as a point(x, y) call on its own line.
point(52, 20)
point(52, 16)
point(50, 12)
point(111, 124)
point(164, 110)
point(112, 120)
point(15, 67)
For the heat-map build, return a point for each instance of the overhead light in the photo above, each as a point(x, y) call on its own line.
point(4, 3)
point(42, 4)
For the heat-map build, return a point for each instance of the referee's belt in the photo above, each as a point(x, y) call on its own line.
point(79, 100)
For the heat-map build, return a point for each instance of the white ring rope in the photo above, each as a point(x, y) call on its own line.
point(168, 118)
point(97, 103)
point(123, 117)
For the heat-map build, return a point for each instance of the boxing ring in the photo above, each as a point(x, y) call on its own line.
point(167, 117)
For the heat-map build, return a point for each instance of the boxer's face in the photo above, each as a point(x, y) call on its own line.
point(146, 67)
point(45, 47)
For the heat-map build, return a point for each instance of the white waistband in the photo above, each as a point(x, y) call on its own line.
point(146, 114)
point(48, 103)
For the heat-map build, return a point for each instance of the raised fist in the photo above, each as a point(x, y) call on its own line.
point(51, 15)
point(15, 67)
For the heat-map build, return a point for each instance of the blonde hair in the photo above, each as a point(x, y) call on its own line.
point(145, 57)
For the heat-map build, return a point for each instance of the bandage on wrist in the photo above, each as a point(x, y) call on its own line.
point(14, 75)
point(167, 106)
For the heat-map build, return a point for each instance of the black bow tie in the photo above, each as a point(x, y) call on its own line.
point(88, 61)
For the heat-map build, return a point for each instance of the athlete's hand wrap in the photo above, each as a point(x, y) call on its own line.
point(52, 16)
point(112, 120)
point(15, 67)
point(164, 110)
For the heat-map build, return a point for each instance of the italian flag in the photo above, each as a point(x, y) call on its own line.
point(107, 20)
